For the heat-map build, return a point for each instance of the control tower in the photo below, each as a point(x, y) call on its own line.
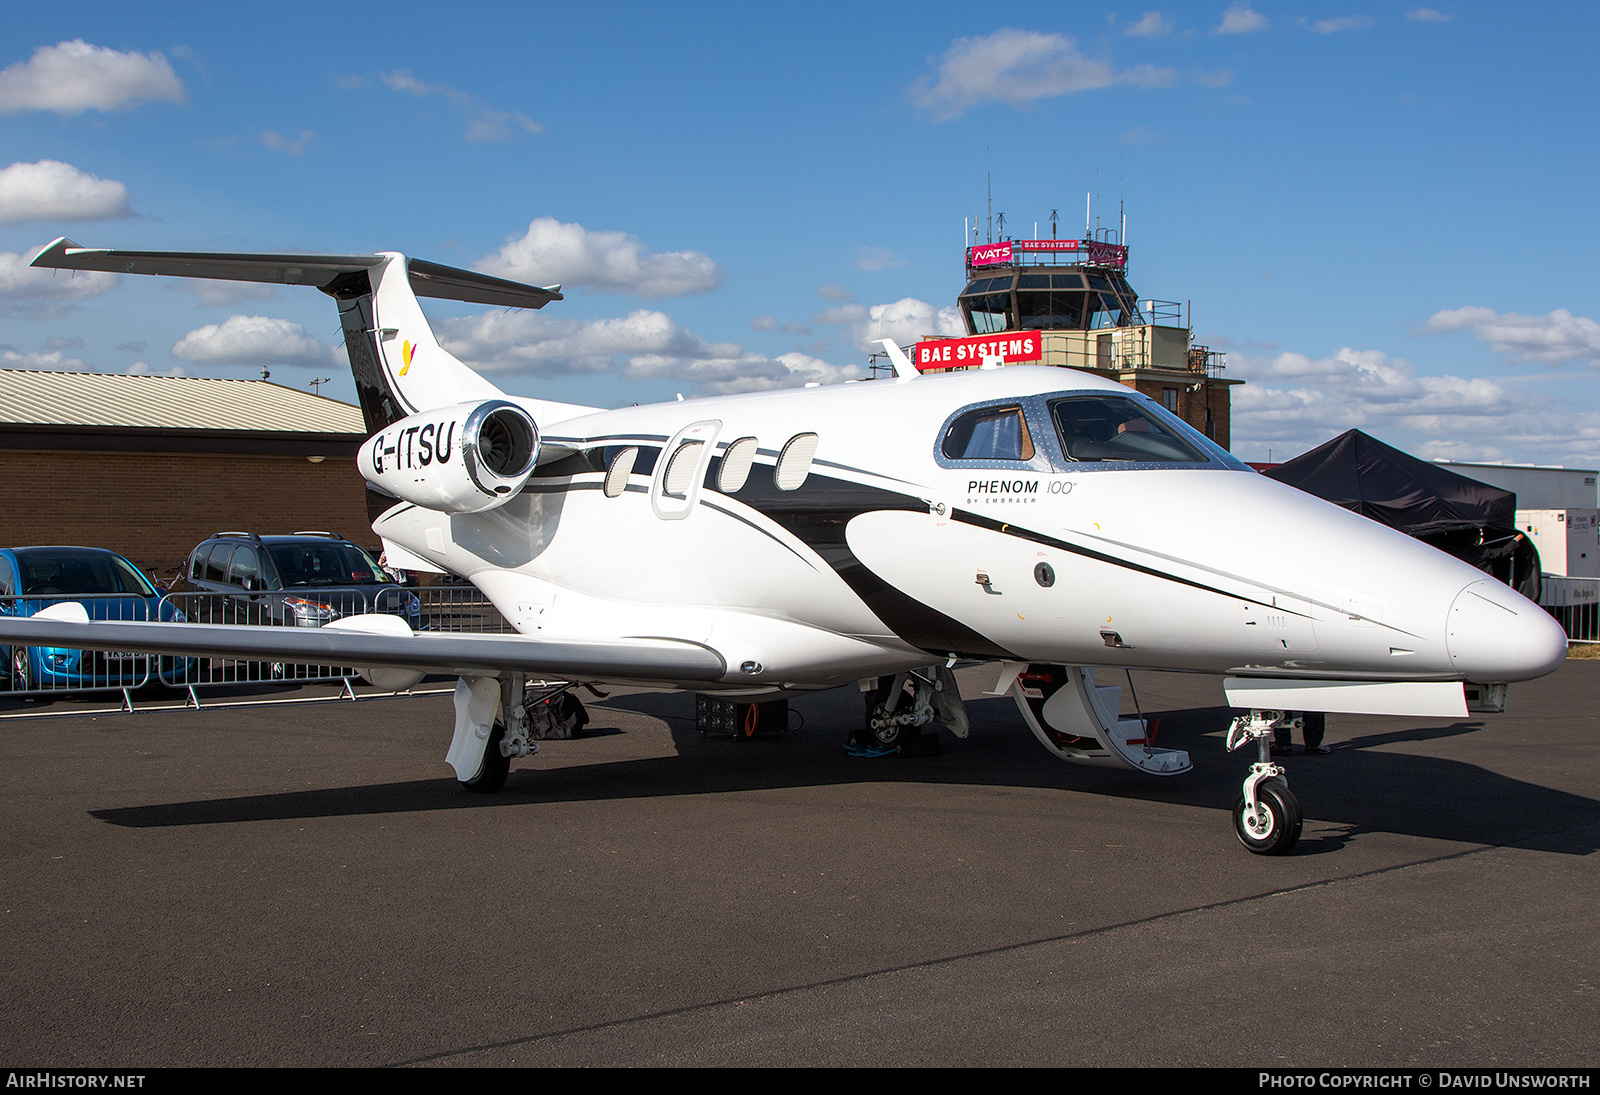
point(1075, 295)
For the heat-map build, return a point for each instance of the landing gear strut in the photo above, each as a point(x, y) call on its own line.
point(491, 729)
point(899, 707)
point(1266, 816)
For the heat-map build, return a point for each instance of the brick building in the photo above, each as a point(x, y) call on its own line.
point(151, 465)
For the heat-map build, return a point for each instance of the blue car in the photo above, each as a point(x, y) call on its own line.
point(109, 588)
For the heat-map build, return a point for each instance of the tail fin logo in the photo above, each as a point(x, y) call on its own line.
point(407, 350)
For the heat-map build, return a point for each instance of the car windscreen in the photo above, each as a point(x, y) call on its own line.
point(1111, 428)
point(325, 564)
point(46, 573)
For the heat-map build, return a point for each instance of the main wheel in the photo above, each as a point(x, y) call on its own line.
point(1274, 827)
point(496, 765)
point(879, 731)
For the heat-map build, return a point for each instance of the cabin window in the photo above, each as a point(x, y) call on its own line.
point(794, 463)
point(1096, 429)
point(681, 468)
point(993, 433)
point(736, 463)
point(617, 474)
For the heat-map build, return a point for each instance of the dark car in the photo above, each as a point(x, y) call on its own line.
point(304, 580)
point(109, 588)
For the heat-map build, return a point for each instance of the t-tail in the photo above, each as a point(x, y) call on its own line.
point(399, 367)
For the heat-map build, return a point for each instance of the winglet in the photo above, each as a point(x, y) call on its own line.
point(55, 252)
point(903, 369)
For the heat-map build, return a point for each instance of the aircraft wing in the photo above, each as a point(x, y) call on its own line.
point(624, 659)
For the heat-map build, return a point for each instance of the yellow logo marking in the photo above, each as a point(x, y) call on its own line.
point(407, 349)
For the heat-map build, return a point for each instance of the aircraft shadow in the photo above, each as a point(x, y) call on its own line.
point(1357, 789)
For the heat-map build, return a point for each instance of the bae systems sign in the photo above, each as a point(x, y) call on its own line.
point(954, 353)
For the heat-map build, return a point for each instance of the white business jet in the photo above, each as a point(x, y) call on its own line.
point(754, 547)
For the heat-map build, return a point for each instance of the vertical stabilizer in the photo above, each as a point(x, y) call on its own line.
point(421, 373)
point(399, 366)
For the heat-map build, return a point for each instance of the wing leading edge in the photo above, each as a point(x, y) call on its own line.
point(624, 659)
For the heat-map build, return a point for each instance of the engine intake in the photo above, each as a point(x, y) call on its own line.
point(463, 459)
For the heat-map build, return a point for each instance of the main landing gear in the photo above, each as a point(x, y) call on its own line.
point(899, 707)
point(491, 729)
point(1266, 816)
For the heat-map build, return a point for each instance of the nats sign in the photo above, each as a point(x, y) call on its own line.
point(989, 254)
point(952, 353)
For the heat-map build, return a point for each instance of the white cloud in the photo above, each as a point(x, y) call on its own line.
point(73, 77)
point(743, 373)
point(1428, 15)
point(1558, 336)
point(52, 362)
point(140, 368)
point(288, 146)
point(530, 342)
point(840, 315)
point(54, 191)
point(763, 323)
point(610, 262)
point(1152, 24)
point(643, 344)
point(254, 340)
point(835, 293)
point(1345, 22)
point(1240, 19)
point(484, 122)
point(905, 321)
point(1019, 67)
point(39, 294)
point(1293, 403)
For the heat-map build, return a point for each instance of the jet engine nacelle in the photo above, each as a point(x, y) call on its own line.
point(462, 459)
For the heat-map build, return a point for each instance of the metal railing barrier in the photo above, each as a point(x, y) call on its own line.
point(52, 671)
point(1575, 603)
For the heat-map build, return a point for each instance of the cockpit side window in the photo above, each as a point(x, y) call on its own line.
point(992, 433)
point(1095, 429)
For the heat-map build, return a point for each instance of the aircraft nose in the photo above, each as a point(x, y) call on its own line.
point(1495, 634)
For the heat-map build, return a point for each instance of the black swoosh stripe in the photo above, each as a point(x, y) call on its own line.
point(967, 517)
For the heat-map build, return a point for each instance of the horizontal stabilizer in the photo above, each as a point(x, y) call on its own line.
point(670, 661)
point(428, 279)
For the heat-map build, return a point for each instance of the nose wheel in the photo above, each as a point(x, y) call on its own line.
point(1272, 825)
point(1266, 816)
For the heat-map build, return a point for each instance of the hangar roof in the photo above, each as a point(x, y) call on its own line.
point(110, 401)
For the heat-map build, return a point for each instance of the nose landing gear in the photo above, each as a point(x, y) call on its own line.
point(1266, 816)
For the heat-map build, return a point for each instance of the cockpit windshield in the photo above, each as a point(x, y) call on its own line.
point(1095, 429)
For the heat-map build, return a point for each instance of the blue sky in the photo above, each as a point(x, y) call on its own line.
point(1383, 214)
